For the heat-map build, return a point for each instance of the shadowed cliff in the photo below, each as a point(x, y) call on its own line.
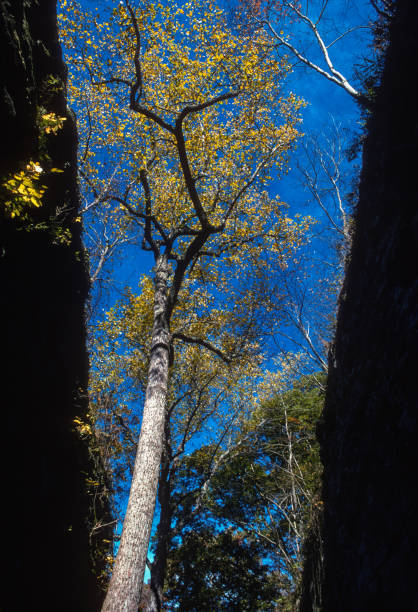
point(369, 435)
point(47, 527)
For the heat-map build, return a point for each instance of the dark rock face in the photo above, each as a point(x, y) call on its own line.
point(370, 433)
point(44, 285)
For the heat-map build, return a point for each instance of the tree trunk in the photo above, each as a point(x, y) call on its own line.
point(126, 583)
point(159, 565)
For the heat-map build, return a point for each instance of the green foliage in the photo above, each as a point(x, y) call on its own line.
point(261, 497)
point(217, 572)
point(294, 414)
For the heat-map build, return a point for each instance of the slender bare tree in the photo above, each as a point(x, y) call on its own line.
point(280, 19)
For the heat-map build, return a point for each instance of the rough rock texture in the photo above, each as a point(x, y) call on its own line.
point(44, 285)
point(370, 433)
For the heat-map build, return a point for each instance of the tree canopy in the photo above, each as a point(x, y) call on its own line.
point(197, 129)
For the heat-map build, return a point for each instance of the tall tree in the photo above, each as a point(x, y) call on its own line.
point(200, 121)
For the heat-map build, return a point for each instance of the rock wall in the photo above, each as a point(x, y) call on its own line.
point(47, 460)
point(369, 435)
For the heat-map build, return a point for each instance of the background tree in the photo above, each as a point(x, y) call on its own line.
point(224, 571)
point(301, 29)
point(312, 283)
point(263, 493)
point(312, 34)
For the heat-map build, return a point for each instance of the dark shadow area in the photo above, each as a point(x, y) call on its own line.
point(49, 551)
point(370, 430)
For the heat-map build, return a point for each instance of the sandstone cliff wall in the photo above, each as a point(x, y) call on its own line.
point(44, 285)
point(369, 436)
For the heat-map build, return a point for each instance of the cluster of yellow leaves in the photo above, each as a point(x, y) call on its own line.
point(82, 427)
point(90, 482)
point(24, 190)
point(114, 389)
point(50, 123)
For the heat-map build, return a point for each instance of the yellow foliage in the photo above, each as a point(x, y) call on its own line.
point(208, 94)
point(83, 428)
point(92, 483)
point(23, 191)
point(51, 123)
point(188, 56)
point(203, 392)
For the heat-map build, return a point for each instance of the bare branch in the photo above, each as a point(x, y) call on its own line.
point(305, 333)
point(201, 342)
point(148, 213)
point(353, 29)
point(137, 85)
point(194, 108)
point(332, 74)
point(101, 196)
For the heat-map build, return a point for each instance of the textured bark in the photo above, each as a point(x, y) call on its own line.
point(159, 565)
point(370, 431)
point(125, 586)
point(44, 285)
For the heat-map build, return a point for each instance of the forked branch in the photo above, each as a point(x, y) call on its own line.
point(205, 343)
